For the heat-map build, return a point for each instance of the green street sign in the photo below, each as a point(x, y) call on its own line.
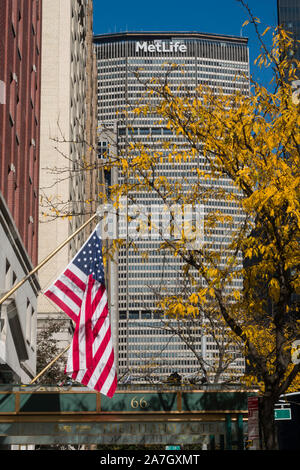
point(283, 413)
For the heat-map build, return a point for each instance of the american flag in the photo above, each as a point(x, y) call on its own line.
point(80, 292)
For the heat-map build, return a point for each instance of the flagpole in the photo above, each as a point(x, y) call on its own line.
point(19, 284)
point(49, 365)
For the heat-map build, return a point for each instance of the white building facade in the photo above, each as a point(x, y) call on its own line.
point(18, 312)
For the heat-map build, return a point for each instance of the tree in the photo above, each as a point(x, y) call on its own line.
point(219, 362)
point(47, 350)
point(252, 140)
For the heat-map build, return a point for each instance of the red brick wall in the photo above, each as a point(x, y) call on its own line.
point(20, 61)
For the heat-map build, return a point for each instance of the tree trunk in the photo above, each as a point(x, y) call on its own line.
point(267, 423)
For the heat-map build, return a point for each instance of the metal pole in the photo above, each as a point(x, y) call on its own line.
point(19, 284)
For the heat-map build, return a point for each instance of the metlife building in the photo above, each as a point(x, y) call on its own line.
point(147, 348)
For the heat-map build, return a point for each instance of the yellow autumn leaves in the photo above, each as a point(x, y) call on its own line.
point(245, 150)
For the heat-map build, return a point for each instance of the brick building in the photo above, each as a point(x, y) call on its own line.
point(20, 63)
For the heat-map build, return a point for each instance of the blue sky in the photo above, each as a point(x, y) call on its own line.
point(207, 16)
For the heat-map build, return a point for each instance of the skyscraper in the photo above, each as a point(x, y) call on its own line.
point(146, 347)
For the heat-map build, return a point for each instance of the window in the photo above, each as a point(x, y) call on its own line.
point(144, 131)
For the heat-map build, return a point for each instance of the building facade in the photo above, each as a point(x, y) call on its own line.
point(20, 88)
point(147, 348)
point(68, 136)
point(20, 116)
point(289, 18)
point(288, 12)
point(93, 178)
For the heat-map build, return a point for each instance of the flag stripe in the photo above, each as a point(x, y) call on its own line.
point(75, 351)
point(99, 321)
point(72, 286)
point(93, 371)
point(99, 295)
point(110, 393)
point(80, 275)
point(75, 279)
point(105, 372)
point(68, 292)
point(62, 305)
point(67, 301)
point(101, 343)
point(88, 323)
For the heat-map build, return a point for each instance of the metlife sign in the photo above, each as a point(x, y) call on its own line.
point(160, 46)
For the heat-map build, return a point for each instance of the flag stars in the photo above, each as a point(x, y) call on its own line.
point(90, 259)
